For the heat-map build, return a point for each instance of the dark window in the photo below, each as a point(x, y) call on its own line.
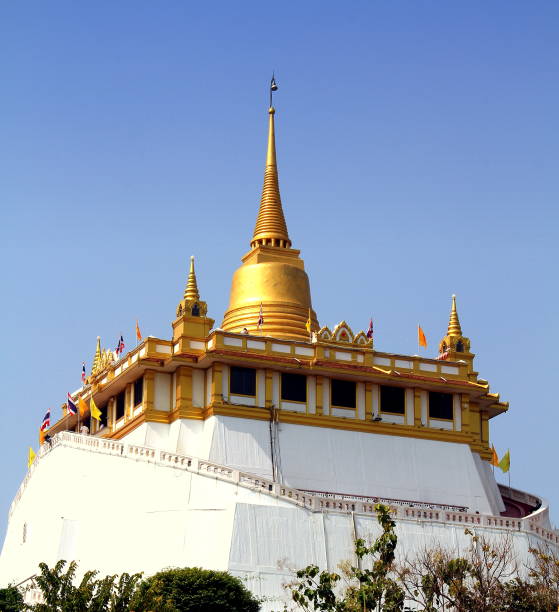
point(343, 393)
point(104, 415)
point(440, 405)
point(119, 409)
point(459, 346)
point(195, 310)
point(243, 381)
point(393, 399)
point(138, 391)
point(294, 387)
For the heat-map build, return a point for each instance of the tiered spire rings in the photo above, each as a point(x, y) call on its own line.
point(271, 229)
point(454, 328)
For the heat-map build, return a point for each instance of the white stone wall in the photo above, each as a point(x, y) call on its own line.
point(114, 513)
point(323, 459)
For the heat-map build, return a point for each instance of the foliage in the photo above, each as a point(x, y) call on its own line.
point(11, 599)
point(369, 589)
point(193, 589)
point(61, 593)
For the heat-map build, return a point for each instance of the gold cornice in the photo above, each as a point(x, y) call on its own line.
point(332, 422)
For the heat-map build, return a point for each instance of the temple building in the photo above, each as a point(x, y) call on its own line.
point(263, 444)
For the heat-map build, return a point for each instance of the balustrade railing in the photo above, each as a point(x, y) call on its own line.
point(316, 501)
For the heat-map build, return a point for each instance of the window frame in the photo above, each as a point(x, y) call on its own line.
point(231, 370)
point(403, 391)
point(440, 418)
point(138, 380)
point(343, 381)
point(306, 383)
point(123, 395)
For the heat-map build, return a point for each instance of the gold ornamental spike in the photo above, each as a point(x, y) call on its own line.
point(454, 328)
point(98, 357)
point(271, 229)
point(191, 289)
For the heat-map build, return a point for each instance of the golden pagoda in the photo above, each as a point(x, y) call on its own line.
point(272, 279)
point(235, 447)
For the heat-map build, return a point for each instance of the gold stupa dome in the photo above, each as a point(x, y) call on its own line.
point(272, 279)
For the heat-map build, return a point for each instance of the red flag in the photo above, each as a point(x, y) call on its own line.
point(138, 332)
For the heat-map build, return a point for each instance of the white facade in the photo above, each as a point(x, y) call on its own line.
point(115, 507)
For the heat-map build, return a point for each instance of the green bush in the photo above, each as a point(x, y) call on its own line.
point(11, 600)
point(192, 589)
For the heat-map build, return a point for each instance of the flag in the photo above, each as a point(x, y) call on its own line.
point(494, 458)
point(421, 339)
point(83, 373)
point(370, 330)
point(308, 324)
point(504, 464)
point(120, 346)
point(30, 457)
point(95, 412)
point(138, 332)
point(71, 406)
point(82, 406)
point(46, 421)
point(261, 316)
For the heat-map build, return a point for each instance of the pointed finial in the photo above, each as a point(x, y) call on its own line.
point(271, 229)
point(191, 289)
point(454, 328)
point(97, 358)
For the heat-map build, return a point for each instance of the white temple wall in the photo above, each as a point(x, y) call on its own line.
point(335, 460)
point(114, 514)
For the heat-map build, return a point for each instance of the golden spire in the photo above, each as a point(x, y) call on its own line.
point(454, 328)
point(270, 229)
point(97, 359)
point(191, 289)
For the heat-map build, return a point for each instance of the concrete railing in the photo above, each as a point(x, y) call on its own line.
point(321, 502)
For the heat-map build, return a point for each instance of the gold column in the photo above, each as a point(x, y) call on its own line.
point(217, 384)
point(465, 405)
point(417, 407)
point(319, 398)
point(368, 400)
point(269, 394)
point(184, 395)
point(149, 391)
point(128, 402)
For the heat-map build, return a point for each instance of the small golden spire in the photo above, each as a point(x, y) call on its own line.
point(191, 289)
point(271, 229)
point(454, 328)
point(98, 357)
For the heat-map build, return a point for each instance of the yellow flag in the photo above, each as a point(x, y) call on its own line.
point(95, 412)
point(30, 457)
point(138, 332)
point(421, 339)
point(309, 322)
point(82, 406)
point(494, 458)
point(504, 464)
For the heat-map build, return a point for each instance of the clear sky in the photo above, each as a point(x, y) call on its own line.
point(417, 150)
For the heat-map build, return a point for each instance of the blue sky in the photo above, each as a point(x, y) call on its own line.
point(417, 149)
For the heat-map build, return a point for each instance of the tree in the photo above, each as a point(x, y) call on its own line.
point(475, 582)
point(11, 599)
point(192, 589)
point(368, 590)
point(62, 594)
